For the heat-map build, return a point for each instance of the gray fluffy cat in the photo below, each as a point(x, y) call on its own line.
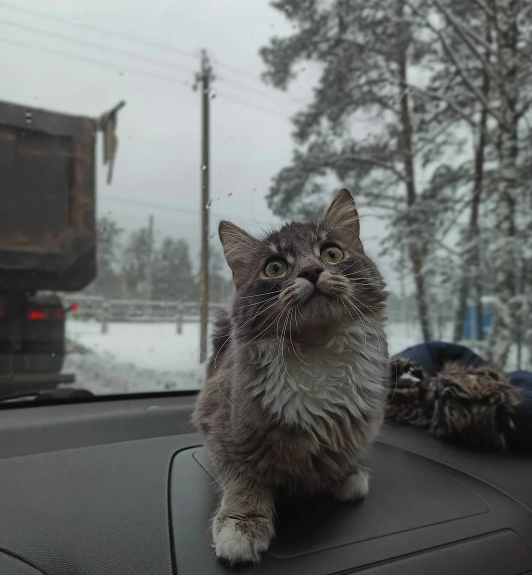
point(295, 389)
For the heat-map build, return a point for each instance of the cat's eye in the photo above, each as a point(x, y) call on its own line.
point(332, 254)
point(276, 268)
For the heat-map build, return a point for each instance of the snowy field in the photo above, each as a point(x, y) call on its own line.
point(141, 357)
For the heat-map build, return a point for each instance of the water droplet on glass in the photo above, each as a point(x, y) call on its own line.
point(29, 117)
point(208, 206)
point(213, 95)
point(203, 167)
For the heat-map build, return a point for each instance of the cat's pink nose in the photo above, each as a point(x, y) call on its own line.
point(312, 274)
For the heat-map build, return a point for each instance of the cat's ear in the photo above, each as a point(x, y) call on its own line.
point(237, 245)
point(342, 217)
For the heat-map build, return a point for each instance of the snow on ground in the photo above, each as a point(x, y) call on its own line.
point(134, 357)
point(141, 357)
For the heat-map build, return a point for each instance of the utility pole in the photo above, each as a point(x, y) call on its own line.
point(149, 271)
point(204, 79)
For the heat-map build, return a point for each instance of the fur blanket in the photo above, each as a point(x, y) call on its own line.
point(473, 405)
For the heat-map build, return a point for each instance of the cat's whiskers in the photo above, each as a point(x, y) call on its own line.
point(377, 331)
point(369, 309)
point(340, 300)
point(353, 264)
point(291, 340)
point(360, 317)
point(236, 351)
point(281, 351)
point(356, 275)
point(358, 271)
point(254, 303)
point(297, 310)
point(396, 381)
point(258, 295)
point(242, 326)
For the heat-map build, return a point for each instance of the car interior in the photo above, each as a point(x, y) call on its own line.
point(388, 144)
point(122, 485)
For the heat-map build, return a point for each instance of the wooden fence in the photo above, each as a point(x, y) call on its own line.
point(124, 310)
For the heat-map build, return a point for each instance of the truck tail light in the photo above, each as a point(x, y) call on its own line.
point(35, 314)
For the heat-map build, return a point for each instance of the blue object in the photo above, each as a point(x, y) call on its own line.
point(432, 355)
point(470, 320)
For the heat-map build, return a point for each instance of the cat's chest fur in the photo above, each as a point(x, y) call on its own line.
point(308, 385)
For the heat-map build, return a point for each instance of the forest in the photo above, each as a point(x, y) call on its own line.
point(134, 266)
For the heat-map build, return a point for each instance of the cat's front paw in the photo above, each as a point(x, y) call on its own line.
point(355, 486)
point(241, 539)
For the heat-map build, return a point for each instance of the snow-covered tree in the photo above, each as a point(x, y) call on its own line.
point(504, 55)
point(172, 272)
point(108, 235)
point(372, 57)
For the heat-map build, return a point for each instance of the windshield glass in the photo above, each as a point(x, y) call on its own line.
point(130, 130)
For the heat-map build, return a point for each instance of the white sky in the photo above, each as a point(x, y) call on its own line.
point(158, 159)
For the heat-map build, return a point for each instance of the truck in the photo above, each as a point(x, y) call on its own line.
point(47, 235)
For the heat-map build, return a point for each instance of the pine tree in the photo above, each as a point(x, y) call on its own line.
point(172, 272)
point(371, 55)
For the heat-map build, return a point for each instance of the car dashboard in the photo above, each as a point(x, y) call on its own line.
point(123, 486)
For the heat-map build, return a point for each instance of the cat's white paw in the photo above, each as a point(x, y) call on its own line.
point(238, 545)
point(355, 486)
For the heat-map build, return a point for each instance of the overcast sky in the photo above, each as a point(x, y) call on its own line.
point(73, 56)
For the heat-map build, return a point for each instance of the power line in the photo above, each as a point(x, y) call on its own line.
point(126, 37)
point(127, 53)
point(102, 63)
point(248, 105)
point(130, 70)
point(107, 32)
point(234, 69)
point(139, 72)
point(255, 91)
